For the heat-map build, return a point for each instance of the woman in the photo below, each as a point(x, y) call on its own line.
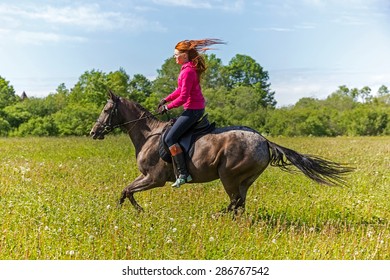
point(189, 95)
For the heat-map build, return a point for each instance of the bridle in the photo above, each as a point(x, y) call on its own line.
point(108, 126)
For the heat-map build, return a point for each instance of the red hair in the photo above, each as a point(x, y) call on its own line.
point(193, 47)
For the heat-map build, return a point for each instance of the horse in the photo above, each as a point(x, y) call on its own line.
point(236, 155)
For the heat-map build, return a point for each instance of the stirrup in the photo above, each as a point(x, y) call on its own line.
point(181, 180)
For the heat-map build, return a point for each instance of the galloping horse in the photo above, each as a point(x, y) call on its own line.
point(236, 155)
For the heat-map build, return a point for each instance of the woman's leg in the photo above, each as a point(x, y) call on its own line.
point(181, 126)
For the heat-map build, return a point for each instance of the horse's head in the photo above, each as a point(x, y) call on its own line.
point(108, 119)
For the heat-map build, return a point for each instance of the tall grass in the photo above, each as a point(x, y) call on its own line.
point(58, 201)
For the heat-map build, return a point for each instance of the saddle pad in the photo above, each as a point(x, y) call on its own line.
point(186, 141)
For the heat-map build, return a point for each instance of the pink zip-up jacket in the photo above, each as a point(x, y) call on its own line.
point(188, 92)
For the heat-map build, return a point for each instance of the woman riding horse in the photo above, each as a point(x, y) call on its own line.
point(189, 95)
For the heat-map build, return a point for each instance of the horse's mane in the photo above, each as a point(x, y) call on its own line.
point(145, 112)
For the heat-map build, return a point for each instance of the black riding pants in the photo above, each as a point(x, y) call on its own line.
point(182, 124)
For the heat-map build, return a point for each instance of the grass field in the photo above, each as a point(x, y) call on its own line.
point(58, 201)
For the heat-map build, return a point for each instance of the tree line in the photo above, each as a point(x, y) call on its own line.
point(238, 93)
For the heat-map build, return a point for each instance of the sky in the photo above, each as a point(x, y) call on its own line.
point(308, 47)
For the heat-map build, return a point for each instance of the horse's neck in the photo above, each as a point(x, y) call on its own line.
point(140, 131)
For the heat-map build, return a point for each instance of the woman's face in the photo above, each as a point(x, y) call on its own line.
point(181, 57)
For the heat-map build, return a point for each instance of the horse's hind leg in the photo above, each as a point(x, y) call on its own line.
point(237, 189)
point(232, 188)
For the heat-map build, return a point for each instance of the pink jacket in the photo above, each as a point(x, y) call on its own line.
point(188, 92)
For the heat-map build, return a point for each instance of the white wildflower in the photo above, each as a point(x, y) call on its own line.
point(211, 239)
point(70, 253)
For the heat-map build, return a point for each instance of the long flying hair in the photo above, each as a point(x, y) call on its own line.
point(193, 48)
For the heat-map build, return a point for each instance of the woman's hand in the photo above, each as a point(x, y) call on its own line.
point(162, 102)
point(162, 109)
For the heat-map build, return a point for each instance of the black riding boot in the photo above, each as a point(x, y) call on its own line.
point(180, 162)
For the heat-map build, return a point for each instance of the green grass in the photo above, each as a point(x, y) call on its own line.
point(58, 201)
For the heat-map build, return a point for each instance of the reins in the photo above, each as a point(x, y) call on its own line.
point(135, 121)
point(109, 127)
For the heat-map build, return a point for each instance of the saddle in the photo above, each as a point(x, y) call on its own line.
point(200, 128)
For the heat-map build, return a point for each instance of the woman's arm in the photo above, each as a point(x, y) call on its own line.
point(182, 93)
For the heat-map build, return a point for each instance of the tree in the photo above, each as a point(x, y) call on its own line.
point(166, 81)
point(16, 114)
point(219, 105)
point(384, 95)
point(4, 127)
point(92, 87)
point(214, 76)
point(37, 126)
point(365, 94)
point(140, 88)
point(7, 94)
point(76, 119)
point(118, 81)
point(340, 100)
point(367, 120)
point(383, 90)
point(243, 70)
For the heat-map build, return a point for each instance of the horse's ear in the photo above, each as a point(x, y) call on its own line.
point(112, 95)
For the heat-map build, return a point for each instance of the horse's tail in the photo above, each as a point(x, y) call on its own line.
point(318, 169)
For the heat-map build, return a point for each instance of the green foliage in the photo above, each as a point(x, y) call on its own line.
point(243, 70)
point(37, 126)
point(17, 114)
point(7, 94)
point(92, 87)
point(214, 76)
point(238, 93)
point(239, 106)
point(118, 82)
point(4, 127)
point(367, 120)
point(339, 114)
point(76, 119)
point(166, 80)
point(140, 88)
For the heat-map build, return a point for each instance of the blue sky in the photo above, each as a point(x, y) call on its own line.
point(309, 47)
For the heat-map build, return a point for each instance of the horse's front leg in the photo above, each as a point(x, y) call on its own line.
point(141, 183)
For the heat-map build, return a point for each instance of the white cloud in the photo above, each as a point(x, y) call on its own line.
point(276, 29)
point(303, 26)
point(38, 38)
point(87, 16)
point(235, 5)
point(34, 24)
